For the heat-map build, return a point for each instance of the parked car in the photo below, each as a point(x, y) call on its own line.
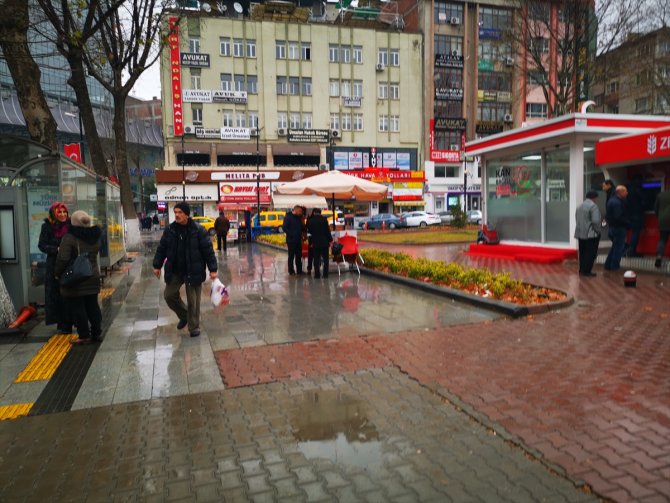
point(446, 217)
point(207, 223)
point(339, 220)
point(389, 220)
point(419, 219)
point(474, 216)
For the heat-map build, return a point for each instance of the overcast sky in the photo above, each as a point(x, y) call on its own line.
point(149, 84)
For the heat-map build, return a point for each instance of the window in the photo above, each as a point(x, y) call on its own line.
point(226, 82)
point(663, 47)
point(444, 140)
point(447, 109)
point(227, 118)
point(293, 50)
point(641, 105)
point(358, 88)
point(612, 87)
point(306, 51)
point(294, 120)
point(358, 54)
point(536, 78)
point(345, 88)
point(445, 44)
point(346, 122)
point(383, 123)
point(251, 48)
point(491, 18)
point(445, 11)
point(394, 123)
point(494, 50)
point(442, 171)
point(492, 111)
point(394, 57)
point(345, 54)
point(539, 11)
point(335, 121)
point(536, 110)
point(383, 91)
point(334, 87)
point(282, 85)
point(307, 120)
point(333, 53)
point(239, 83)
point(240, 119)
point(238, 48)
point(358, 122)
point(280, 49)
point(196, 111)
point(382, 57)
point(253, 119)
point(394, 90)
point(294, 86)
point(224, 46)
point(643, 78)
point(306, 86)
point(282, 121)
point(195, 78)
point(193, 45)
point(252, 84)
point(644, 50)
point(539, 44)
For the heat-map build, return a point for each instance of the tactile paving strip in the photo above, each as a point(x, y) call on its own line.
point(46, 361)
point(15, 410)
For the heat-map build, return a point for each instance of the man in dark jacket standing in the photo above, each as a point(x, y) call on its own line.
point(618, 223)
point(662, 210)
point(222, 226)
point(184, 250)
point(292, 227)
point(318, 228)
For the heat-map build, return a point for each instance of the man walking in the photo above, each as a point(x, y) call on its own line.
point(184, 250)
point(618, 223)
point(587, 231)
point(292, 227)
point(662, 210)
point(319, 229)
point(222, 226)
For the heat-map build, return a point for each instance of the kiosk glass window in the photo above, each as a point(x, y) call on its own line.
point(557, 195)
point(513, 196)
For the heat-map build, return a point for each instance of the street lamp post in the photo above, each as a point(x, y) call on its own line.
point(81, 139)
point(258, 175)
point(183, 170)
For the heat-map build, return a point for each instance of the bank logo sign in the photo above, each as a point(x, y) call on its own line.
point(651, 145)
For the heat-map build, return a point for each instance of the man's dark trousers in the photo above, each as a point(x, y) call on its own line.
point(219, 239)
point(320, 257)
point(588, 251)
point(294, 255)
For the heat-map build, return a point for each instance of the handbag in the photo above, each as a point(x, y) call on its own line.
point(78, 270)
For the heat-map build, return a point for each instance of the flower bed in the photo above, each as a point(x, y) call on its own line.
point(479, 282)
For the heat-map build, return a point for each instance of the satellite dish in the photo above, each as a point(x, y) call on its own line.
point(191, 176)
point(238, 7)
point(222, 7)
point(206, 7)
point(354, 4)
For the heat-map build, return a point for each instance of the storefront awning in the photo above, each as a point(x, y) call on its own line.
point(296, 149)
point(289, 201)
point(409, 203)
point(638, 148)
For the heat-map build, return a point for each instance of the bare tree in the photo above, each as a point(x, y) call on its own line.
point(556, 43)
point(14, 25)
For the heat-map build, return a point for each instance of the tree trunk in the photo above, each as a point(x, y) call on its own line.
point(77, 81)
point(25, 73)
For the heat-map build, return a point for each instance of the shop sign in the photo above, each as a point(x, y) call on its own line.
point(197, 96)
point(175, 76)
point(490, 34)
point(212, 133)
point(504, 96)
point(244, 192)
point(489, 127)
point(487, 95)
point(448, 61)
point(308, 135)
point(235, 133)
point(445, 155)
point(194, 192)
point(635, 148)
point(229, 96)
point(407, 197)
point(142, 172)
point(382, 175)
point(351, 101)
point(245, 175)
point(485, 65)
point(450, 124)
point(195, 59)
point(447, 93)
point(161, 205)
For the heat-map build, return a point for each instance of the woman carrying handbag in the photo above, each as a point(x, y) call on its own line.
point(82, 297)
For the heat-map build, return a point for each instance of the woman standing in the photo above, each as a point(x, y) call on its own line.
point(53, 230)
point(82, 297)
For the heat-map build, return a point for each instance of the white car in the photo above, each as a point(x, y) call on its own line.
point(474, 216)
point(419, 219)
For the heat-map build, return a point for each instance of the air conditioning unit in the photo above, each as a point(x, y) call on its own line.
point(453, 146)
point(253, 131)
point(509, 61)
point(455, 20)
point(336, 133)
point(323, 167)
point(508, 118)
point(380, 67)
point(189, 129)
point(282, 131)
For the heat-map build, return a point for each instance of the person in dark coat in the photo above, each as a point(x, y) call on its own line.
point(318, 228)
point(222, 226)
point(662, 210)
point(51, 234)
point(293, 230)
point(618, 224)
point(636, 215)
point(156, 221)
point(82, 297)
point(184, 251)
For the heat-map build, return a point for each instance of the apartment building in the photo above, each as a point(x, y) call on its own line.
point(285, 91)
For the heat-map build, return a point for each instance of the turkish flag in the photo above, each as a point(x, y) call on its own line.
point(73, 151)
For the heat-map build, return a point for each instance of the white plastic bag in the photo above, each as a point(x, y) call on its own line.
point(219, 293)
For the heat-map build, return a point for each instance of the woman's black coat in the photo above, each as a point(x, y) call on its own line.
point(49, 243)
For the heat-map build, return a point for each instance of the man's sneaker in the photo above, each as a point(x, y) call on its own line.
point(657, 262)
point(195, 333)
point(181, 324)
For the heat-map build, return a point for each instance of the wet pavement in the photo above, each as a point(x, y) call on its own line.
point(354, 389)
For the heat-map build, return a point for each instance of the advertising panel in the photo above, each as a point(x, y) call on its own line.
point(175, 76)
point(195, 59)
point(308, 135)
point(235, 133)
point(219, 96)
point(244, 192)
point(197, 96)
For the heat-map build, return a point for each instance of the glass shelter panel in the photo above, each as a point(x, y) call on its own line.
point(557, 195)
